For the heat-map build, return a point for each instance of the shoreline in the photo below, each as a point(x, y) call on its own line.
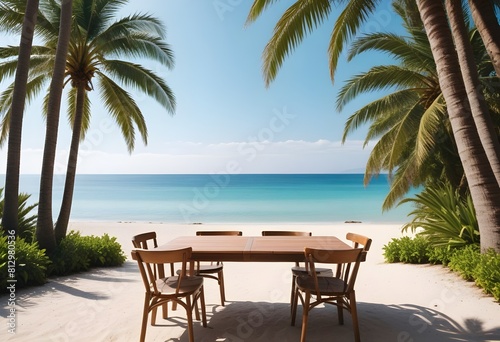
point(396, 302)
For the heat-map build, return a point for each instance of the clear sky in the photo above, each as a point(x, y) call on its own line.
point(226, 119)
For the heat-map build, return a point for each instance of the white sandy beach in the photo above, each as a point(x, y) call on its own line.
point(396, 302)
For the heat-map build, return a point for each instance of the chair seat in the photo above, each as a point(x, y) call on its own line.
point(328, 286)
point(189, 285)
point(301, 271)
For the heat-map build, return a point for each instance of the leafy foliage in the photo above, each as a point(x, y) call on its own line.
point(467, 261)
point(78, 253)
point(26, 222)
point(444, 217)
point(30, 266)
point(407, 250)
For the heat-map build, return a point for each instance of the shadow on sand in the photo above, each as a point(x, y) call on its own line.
point(265, 322)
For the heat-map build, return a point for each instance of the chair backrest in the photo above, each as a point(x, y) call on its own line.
point(219, 232)
point(359, 241)
point(141, 240)
point(347, 261)
point(150, 260)
point(284, 233)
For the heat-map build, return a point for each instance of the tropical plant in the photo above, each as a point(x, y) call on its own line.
point(97, 44)
point(484, 188)
point(303, 16)
point(410, 121)
point(26, 221)
point(443, 217)
point(16, 111)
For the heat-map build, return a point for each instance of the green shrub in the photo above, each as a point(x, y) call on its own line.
point(487, 273)
point(70, 256)
point(78, 253)
point(439, 255)
point(465, 261)
point(105, 251)
point(444, 217)
point(407, 250)
point(30, 263)
point(26, 223)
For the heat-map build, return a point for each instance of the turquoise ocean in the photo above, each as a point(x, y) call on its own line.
point(225, 198)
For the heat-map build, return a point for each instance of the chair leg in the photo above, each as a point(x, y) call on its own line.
point(203, 309)
point(305, 316)
point(354, 314)
point(189, 315)
point(295, 303)
point(340, 310)
point(293, 292)
point(145, 313)
point(221, 286)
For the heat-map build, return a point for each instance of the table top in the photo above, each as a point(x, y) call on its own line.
point(253, 248)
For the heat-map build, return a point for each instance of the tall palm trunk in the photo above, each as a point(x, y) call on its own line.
point(45, 226)
point(484, 188)
point(479, 107)
point(11, 191)
point(69, 185)
point(486, 22)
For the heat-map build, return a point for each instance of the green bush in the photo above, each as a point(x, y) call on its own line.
point(444, 217)
point(30, 263)
point(407, 250)
point(78, 253)
point(468, 262)
point(487, 273)
point(26, 223)
point(465, 261)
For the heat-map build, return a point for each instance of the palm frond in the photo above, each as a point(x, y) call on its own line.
point(389, 104)
point(431, 125)
point(378, 78)
point(354, 14)
point(122, 108)
point(297, 21)
point(257, 8)
point(137, 45)
point(134, 75)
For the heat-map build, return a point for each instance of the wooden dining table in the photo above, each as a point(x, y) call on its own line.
point(253, 248)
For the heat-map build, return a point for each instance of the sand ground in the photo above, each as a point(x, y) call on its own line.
point(396, 302)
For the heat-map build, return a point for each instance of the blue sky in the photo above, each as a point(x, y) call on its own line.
point(226, 119)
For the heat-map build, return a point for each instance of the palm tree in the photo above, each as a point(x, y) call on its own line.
point(479, 108)
point(486, 21)
point(410, 122)
point(9, 218)
point(483, 186)
point(303, 16)
point(96, 43)
point(45, 232)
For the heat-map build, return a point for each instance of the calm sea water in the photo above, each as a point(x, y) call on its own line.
point(242, 198)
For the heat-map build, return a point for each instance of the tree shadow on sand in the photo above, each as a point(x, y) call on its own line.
point(101, 281)
point(264, 322)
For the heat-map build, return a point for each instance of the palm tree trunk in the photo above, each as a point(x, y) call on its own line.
point(486, 22)
point(483, 186)
point(69, 185)
point(11, 194)
point(45, 226)
point(479, 107)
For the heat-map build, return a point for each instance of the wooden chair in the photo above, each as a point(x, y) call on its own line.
point(337, 290)
point(183, 289)
point(359, 241)
point(144, 240)
point(297, 270)
point(215, 270)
